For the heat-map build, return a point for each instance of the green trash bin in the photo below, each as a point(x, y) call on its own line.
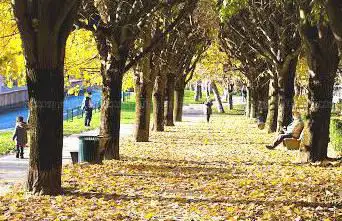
point(88, 148)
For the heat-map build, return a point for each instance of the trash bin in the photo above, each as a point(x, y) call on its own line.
point(74, 157)
point(88, 148)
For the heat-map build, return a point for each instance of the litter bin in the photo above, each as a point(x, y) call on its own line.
point(74, 157)
point(88, 148)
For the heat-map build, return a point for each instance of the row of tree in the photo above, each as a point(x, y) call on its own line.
point(159, 41)
point(268, 37)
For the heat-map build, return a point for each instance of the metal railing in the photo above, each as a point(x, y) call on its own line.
point(78, 112)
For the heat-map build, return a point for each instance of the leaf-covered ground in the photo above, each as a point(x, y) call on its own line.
point(194, 171)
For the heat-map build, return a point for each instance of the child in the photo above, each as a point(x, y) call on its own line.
point(20, 135)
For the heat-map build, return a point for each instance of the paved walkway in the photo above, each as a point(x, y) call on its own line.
point(13, 170)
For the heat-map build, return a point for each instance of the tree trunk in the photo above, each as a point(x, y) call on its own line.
point(158, 103)
point(272, 106)
point(207, 90)
point(333, 9)
point(323, 59)
point(230, 100)
point(170, 100)
point(44, 52)
point(110, 116)
point(253, 104)
point(46, 92)
point(143, 96)
point(286, 93)
point(179, 99)
point(198, 91)
point(217, 97)
point(226, 95)
point(248, 102)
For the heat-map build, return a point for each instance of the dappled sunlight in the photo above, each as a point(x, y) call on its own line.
point(198, 171)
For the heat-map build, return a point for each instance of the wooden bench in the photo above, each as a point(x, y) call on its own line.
point(293, 143)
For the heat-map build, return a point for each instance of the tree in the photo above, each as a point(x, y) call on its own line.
point(11, 56)
point(211, 67)
point(322, 57)
point(44, 28)
point(117, 29)
point(252, 66)
point(270, 29)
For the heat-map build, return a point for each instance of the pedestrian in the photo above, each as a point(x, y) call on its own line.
point(208, 109)
point(20, 136)
point(244, 93)
point(87, 107)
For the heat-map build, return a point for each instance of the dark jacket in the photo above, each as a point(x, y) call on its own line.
point(208, 107)
point(20, 133)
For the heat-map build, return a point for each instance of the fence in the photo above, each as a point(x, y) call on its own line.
point(78, 112)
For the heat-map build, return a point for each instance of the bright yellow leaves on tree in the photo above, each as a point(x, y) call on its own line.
point(212, 63)
point(82, 60)
point(11, 56)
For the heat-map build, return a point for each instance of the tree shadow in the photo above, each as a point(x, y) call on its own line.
point(269, 203)
point(207, 163)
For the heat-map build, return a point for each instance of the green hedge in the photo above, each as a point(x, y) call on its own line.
point(336, 134)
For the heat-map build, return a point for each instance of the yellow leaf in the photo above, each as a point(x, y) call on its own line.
point(149, 215)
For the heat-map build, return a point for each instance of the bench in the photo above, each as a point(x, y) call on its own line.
point(293, 143)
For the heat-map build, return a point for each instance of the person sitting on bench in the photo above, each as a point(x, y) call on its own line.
point(293, 130)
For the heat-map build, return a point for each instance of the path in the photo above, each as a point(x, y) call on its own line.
point(13, 170)
point(193, 171)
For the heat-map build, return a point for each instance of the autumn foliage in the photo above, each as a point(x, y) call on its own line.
point(194, 171)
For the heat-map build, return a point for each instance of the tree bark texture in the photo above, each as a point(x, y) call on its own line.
point(286, 92)
point(170, 88)
point(110, 116)
point(158, 102)
point(253, 103)
point(198, 91)
point(220, 108)
point(323, 59)
point(248, 102)
point(272, 106)
point(143, 96)
point(179, 99)
point(44, 38)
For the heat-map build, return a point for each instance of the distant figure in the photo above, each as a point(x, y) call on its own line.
point(244, 93)
point(87, 106)
point(293, 130)
point(20, 136)
point(208, 109)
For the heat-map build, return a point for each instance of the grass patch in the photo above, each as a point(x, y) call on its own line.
point(336, 134)
point(189, 97)
point(6, 143)
point(238, 109)
point(77, 125)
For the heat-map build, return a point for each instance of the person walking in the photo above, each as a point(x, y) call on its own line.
point(20, 136)
point(87, 107)
point(208, 109)
point(244, 93)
